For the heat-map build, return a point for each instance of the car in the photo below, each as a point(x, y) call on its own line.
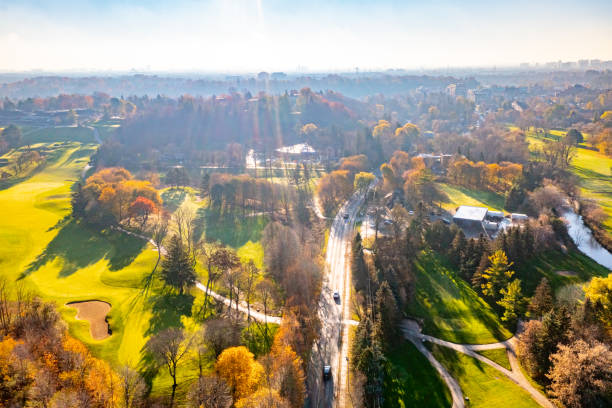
point(336, 296)
point(410, 212)
point(326, 372)
point(345, 216)
point(388, 222)
point(447, 222)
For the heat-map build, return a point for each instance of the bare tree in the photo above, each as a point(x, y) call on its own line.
point(133, 387)
point(6, 308)
point(159, 232)
point(267, 293)
point(184, 219)
point(168, 348)
point(209, 392)
point(217, 259)
point(220, 334)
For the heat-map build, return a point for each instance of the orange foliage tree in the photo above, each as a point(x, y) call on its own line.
point(237, 366)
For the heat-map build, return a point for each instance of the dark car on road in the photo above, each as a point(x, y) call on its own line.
point(345, 216)
point(326, 372)
point(336, 296)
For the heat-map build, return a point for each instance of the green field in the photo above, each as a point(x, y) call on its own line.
point(449, 307)
point(63, 260)
point(456, 196)
point(548, 263)
point(593, 169)
point(59, 134)
point(499, 356)
point(410, 381)
point(483, 385)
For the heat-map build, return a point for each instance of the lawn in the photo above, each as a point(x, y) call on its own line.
point(457, 196)
point(499, 356)
point(481, 383)
point(548, 263)
point(232, 229)
point(59, 134)
point(410, 381)
point(449, 307)
point(62, 260)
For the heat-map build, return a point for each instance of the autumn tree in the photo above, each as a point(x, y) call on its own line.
point(263, 397)
point(363, 180)
point(142, 207)
point(581, 375)
point(334, 188)
point(237, 366)
point(177, 267)
point(496, 276)
point(169, 348)
point(387, 315)
point(288, 375)
point(599, 292)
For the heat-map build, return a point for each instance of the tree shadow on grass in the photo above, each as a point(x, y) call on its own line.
point(79, 246)
point(173, 198)
point(167, 307)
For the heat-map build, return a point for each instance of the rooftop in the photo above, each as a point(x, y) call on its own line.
point(296, 149)
point(466, 212)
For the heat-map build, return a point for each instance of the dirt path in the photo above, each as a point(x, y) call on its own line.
point(412, 332)
point(94, 311)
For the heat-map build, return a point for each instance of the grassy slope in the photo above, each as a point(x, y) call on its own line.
point(594, 172)
point(412, 382)
point(64, 261)
point(499, 356)
point(449, 306)
point(464, 196)
point(548, 263)
point(59, 134)
point(481, 383)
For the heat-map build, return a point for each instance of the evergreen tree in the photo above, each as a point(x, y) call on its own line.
point(496, 277)
point(387, 316)
point(177, 267)
point(513, 302)
point(457, 247)
point(205, 185)
point(542, 301)
point(79, 202)
point(358, 266)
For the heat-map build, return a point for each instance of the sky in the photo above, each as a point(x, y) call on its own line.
point(290, 35)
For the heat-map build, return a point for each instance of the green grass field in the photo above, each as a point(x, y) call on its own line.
point(457, 196)
point(62, 260)
point(593, 169)
point(481, 383)
point(499, 356)
point(547, 264)
point(59, 134)
point(450, 308)
point(410, 381)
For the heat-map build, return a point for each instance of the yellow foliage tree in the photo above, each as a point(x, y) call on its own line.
point(237, 366)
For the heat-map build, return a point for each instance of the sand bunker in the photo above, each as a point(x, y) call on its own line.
point(94, 311)
point(566, 273)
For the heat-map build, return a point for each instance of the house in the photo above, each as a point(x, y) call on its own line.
point(470, 217)
point(300, 151)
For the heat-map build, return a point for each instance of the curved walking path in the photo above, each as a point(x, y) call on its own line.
point(241, 306)
point(412, 332)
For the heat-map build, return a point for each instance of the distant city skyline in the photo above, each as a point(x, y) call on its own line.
point(316, 36)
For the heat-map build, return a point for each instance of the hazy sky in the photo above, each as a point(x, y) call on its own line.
point(253, 35)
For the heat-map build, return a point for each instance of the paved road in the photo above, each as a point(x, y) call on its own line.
point(332, 348)
point(412, 333)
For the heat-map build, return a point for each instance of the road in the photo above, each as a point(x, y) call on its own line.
point(332, 348)
point(412, 332)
